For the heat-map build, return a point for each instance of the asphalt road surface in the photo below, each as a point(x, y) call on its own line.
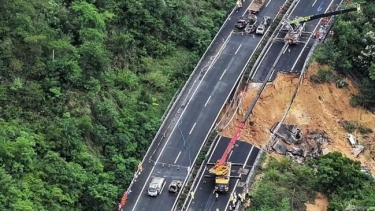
point(179, 148)
point(292, 59)
point(204, 198)
point(294, 56)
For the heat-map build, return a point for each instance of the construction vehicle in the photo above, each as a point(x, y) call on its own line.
point(296, 27)
point(255, 6)
point(175, 186)
point(222, 168)
point(248, 25)
point(156, 186)
point(263, 25)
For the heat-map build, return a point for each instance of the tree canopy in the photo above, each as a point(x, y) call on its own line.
point(287, 185)
point(83, 87)
point(351, 50)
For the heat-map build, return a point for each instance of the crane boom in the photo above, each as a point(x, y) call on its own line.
point(302, 20)
point(237, 134)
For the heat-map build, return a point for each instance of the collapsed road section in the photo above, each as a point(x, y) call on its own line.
point(176, 147)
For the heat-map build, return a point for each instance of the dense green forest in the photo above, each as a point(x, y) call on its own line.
point(83, 87)
point(287, 185)
point(351, 50)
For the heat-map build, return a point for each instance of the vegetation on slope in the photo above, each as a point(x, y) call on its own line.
point(287, 185)
point(83, 87)
point(351, 50)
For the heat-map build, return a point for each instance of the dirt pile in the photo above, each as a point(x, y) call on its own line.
point(320, 203)
point(316, 107)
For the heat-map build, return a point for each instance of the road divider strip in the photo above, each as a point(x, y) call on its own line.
point(172, 105)
point(198, 166)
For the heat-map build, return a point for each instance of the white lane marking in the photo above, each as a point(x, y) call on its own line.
point(285, 50)
point(247, 62)
point(205, 168)
point(193, 127)
point(177, 157)
point(247, 8)
point(213, 123)
point(244, 165)
point(174, 128)
point(314, 3)
point(222, 74)
point(207, 101)
point(238, 49)
point(265, 54)
point(307, 42)
point(269, 47)
point(268, 3)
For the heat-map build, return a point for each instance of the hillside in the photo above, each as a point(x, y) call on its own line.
point(83, 87)
point(316, 107)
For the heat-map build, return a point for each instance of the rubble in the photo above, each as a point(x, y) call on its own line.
point(357, 150)
point(315, 107)
point(289, 133)
point(300, 146)
point(313, 144)
point(352, 140)
point(280, 148)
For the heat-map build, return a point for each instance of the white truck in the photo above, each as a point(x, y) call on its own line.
point(156, 186)
point(256, 5)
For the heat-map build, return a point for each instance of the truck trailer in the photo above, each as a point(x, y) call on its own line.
point(256, 5)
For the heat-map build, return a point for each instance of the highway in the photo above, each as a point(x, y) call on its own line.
point(204, 198)
point(292, 60)
point(180, 146)
point(294, 56)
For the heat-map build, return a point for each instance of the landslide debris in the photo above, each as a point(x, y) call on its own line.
point(317, 107)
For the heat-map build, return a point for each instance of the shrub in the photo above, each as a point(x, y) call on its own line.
point(323, 76)
point(352, 126)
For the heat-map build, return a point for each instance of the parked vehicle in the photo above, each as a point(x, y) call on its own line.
point(175, 186)
point(156, 186)
point(247, 24)
point(263, 25)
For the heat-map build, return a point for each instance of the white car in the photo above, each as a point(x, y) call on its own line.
point(263, 25)
point(260, 30)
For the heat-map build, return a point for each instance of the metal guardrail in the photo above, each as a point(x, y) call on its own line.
point(264, 48)
point(273, 35)
point(201, 167)
point(305, 66)
point(170, 104)
point(250, 178)
point(172, 108)
point(266, 34)
point(300, 80)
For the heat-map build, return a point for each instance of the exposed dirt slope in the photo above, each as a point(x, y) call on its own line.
point(317, 106)
point(320, 203)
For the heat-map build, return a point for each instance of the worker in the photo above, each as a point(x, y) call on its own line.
point(234, 201)
point(217, 196)
point(215, 190)
point(192, 195)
